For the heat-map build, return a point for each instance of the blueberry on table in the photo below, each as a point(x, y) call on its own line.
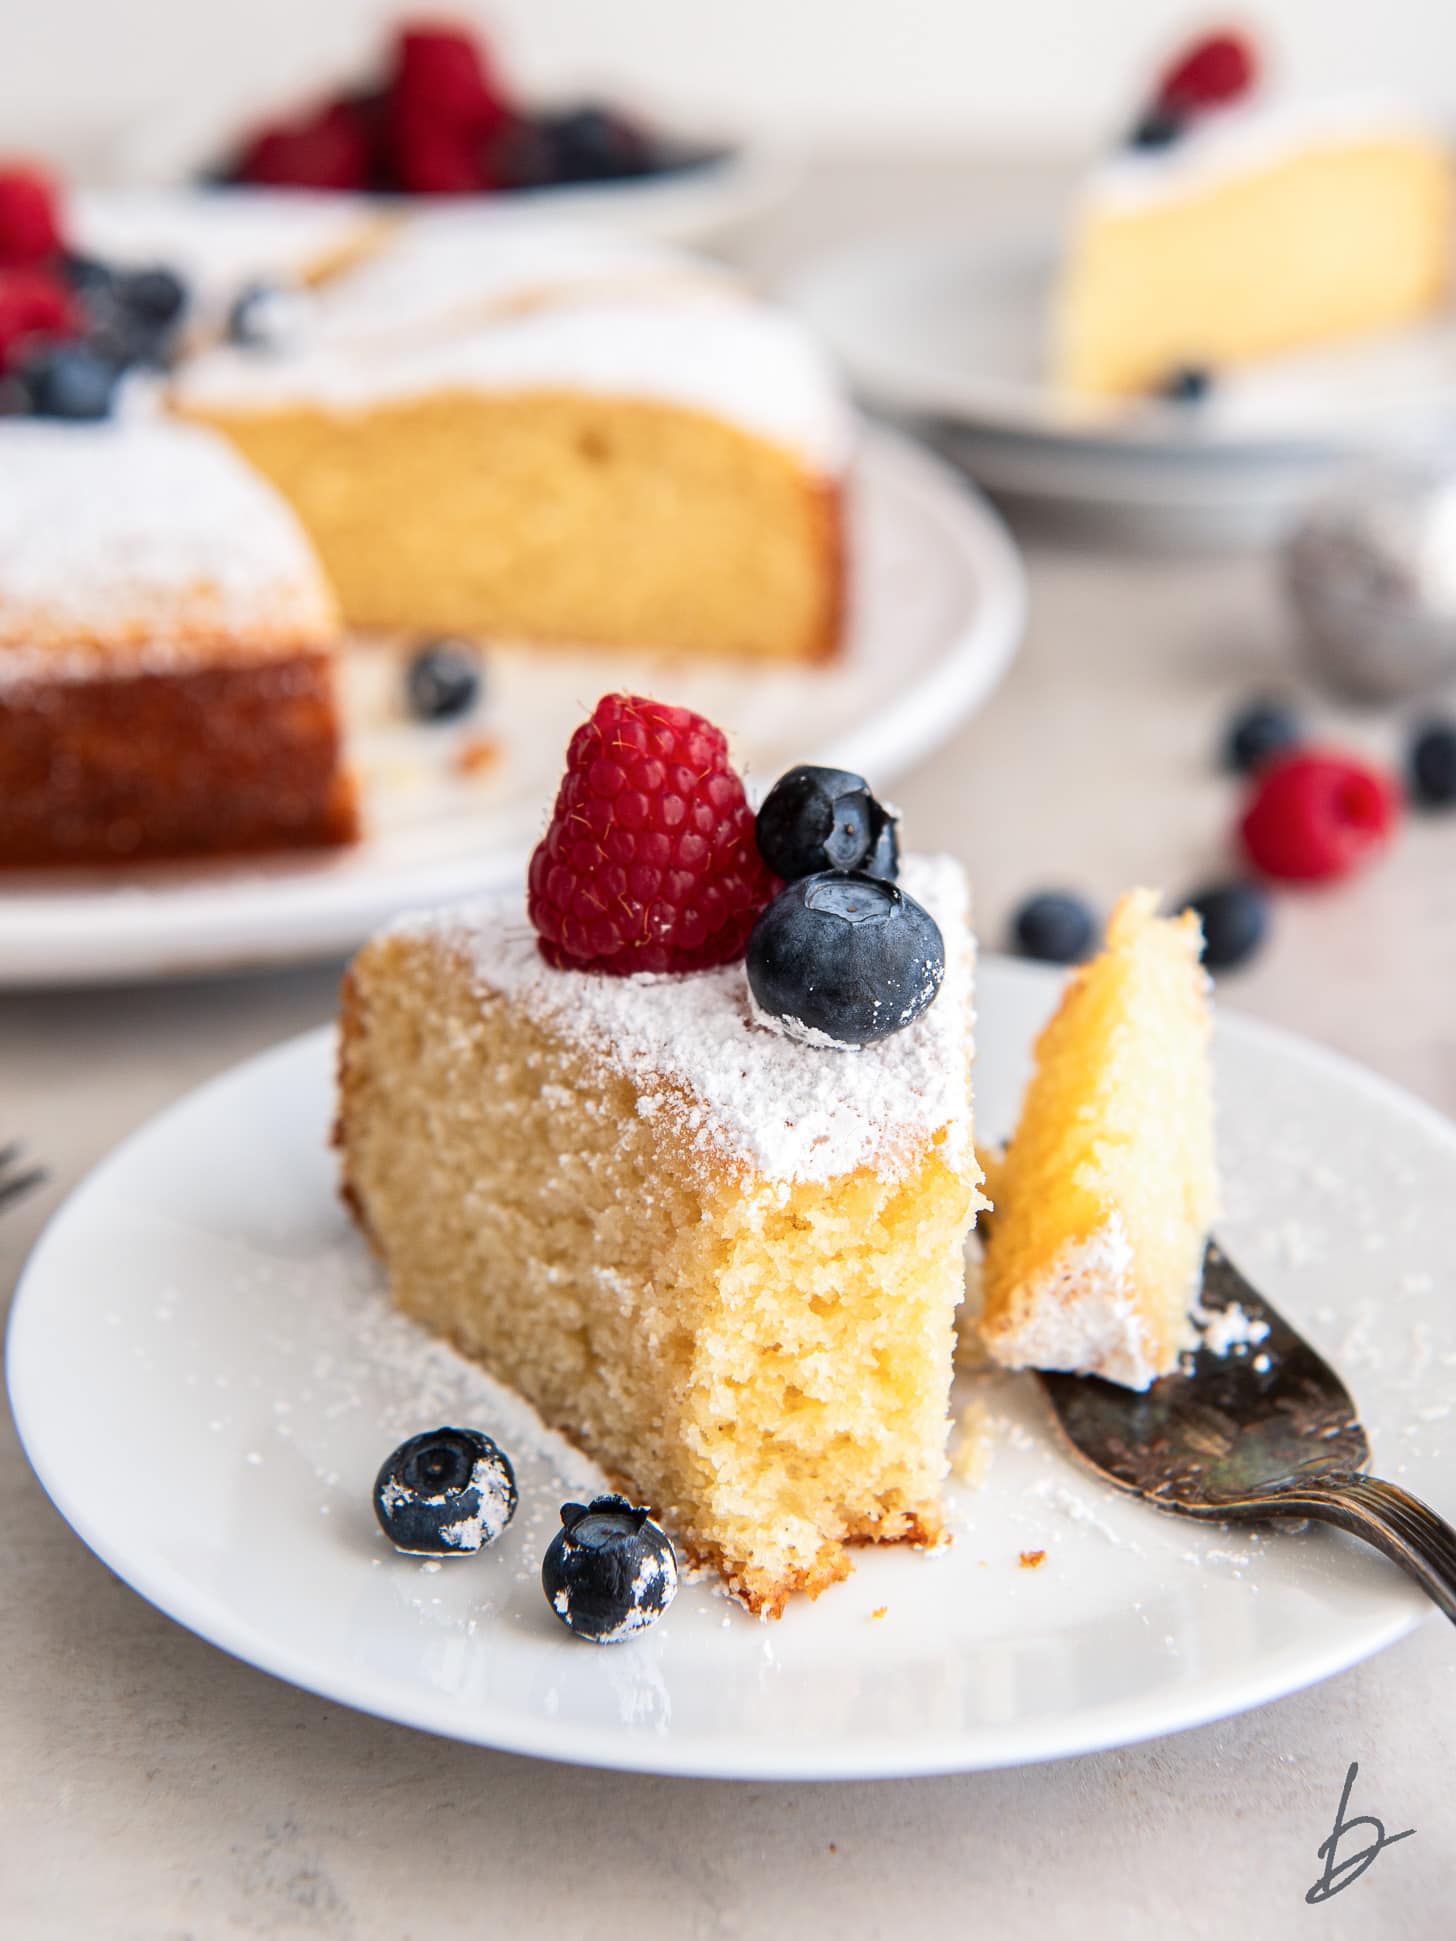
point(825, 818)
point(609, 1571)
point(841, 959)
point(88, 276)
point(1054, 927)
point(264, 316)
point(446, 1493)
point(1235, 918)
point(1432, 765)
point(1259, 731)
point(443, 680)
point(69, 381)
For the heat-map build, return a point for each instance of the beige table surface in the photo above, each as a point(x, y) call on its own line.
point(153, 1789)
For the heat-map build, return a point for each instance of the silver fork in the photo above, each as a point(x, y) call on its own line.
point(1245, 1438)
point(16, 1178)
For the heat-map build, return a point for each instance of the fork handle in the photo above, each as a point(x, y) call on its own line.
point(1398, 1524)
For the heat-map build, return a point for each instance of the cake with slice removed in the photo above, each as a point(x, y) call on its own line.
point(726, 1261)
point(167, 677)
point(1105, 1196)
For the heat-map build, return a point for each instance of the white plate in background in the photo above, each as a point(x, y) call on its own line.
point(951, 327)
point(206, 1374)
point(937, 601)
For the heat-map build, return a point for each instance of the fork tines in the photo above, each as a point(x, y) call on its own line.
point(16, 1178)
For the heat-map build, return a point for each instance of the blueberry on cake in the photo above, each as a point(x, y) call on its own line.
point(722, 1253)
point(1105, 1196)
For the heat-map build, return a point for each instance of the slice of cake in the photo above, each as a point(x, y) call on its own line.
point(1232, 229)
point(166, 653)
point(725, 1260)
point(1104, 1199)
point(628, 453)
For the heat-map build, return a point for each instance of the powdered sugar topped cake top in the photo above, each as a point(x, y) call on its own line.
point(1224, 143)
point(140, 544)
point(744, 1094)
point(541, 310)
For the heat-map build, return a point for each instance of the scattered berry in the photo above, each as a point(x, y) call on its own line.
point(1054, 927)
point(30, 223)
point(1214, 71)
point(844, 959)
point(1156, 128)
point(88, 276)
point(609, 1571)
point(1316, 816)
point(443, 106)
point(69, 381)
point(36, 308)
point(1433, 765)
point(443, 680)
point(1235, 918)
point(445, 1493)
point(1257, 733)
point(825, 818)
point(326, 150)
point(1188, 384)
point(649, 862)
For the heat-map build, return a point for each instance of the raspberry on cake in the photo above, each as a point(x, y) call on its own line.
point(1105, 1196)
point(650, 862)
point(166, 653)
point(553, 439)
point(726, 1261)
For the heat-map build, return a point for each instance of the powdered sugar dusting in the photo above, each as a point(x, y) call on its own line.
point(786, 1110)
point(143, 542)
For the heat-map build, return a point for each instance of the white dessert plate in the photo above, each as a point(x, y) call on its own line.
point(951, 326)
point(165, 155)
point(206, 1375)
point(937, 601)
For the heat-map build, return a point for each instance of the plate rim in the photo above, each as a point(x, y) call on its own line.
point(222, 925)
point(1150, 1717)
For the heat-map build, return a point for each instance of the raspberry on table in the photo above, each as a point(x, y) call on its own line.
point(649, 862)
point(1217, 69)
point(30, 223)
point(1315, 816)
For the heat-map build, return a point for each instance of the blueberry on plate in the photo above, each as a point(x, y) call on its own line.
point(1187, 384)
point(609, 1571)
point(1432, 764)
point(1235, 918)
point(842, 959)
point(446, 1493)
point(88, 276)
point(825, 818)
point(443, 680)
point(69, 381)
point(1258, 732)
point(1054, 927)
